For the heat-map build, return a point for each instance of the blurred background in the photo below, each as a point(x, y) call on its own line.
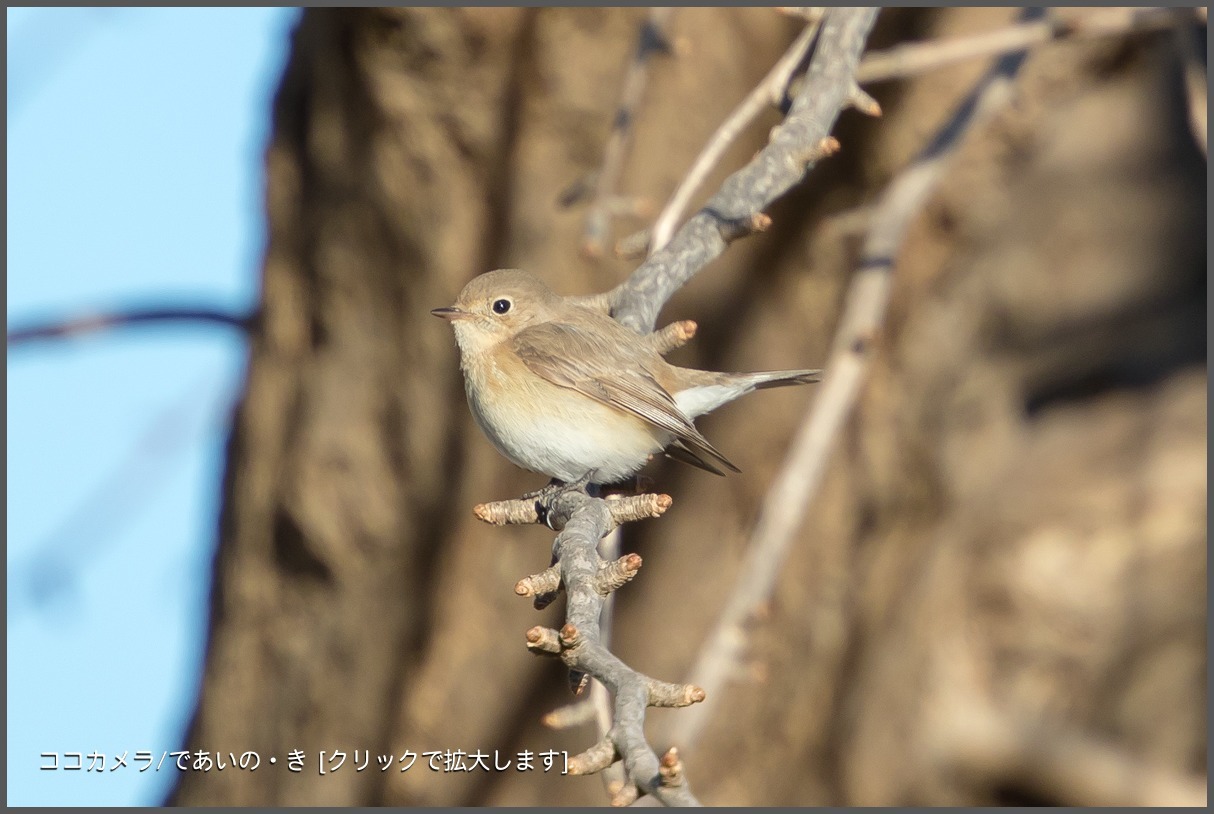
point(135, 154)
point(1010, 537)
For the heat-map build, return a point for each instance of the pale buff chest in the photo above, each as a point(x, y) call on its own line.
point(550, 429)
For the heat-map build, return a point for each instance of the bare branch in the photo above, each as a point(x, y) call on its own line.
point(95, 323)
point(664, 694)
point(520, 512)
point(652, 39)
point(675, 335)
point(915, 58)
point(543, 640)
point(580, 645)
point(797, 482)
point(1196, 89)
point(584, 520)
point(780, 165)
point(616, 574)
point(615, 778)
point(594, 759)
point(864, 103)
point(545, 582)
point(569, 716)
point(810, 14)
point(672, 768)
point(624, 794)
point(770, 91)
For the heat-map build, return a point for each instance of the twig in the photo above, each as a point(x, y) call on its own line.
point(675, 335)
point(1196, 90)
point(582, 649)
point(585, 520)
point(525, 512)
point(94, 323)
point(911, 59)
point(811, 14)
point(615, 778)
point(613, 573)
point(796, 485)
point(770, 91)
point(776, 169)
point(652, 39)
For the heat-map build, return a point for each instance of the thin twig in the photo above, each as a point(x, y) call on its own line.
point(1196, 89)
point(769, 92)
point(797, 482)
point(791, 153)
point(652, 40)
point(615, 778)
point(910, 59)
point(94, 323)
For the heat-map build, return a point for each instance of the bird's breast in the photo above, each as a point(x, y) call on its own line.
point(554, 430)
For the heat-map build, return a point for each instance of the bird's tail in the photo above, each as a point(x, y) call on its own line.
point(710, 390)
point(781, 378)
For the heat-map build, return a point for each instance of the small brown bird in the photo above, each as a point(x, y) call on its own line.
point(567, 391)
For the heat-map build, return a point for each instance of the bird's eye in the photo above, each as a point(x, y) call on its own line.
point(501, 306)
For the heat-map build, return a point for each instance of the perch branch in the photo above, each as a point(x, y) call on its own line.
point(95, 323)
point(911, 59)
point(520, 512)
point(584, 520)
point(798, 480)
point(613, 573)
point(605, 202)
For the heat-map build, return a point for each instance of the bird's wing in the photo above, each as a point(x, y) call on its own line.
point(606, 372)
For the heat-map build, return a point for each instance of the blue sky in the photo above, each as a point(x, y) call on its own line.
point(135, 142)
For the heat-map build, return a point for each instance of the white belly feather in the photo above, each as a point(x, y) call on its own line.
point(559, 432)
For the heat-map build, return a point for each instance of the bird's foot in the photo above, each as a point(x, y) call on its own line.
point(556, 487)
point(547, 496)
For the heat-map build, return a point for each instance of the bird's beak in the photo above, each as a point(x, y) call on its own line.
point(450, 312)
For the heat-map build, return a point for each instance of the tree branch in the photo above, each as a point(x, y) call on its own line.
point(652, 40)
point(911, 59)
point(796, 485)
point(584, 520)
point(770, 91)
point(95, 323)
point(792, 151)
point(1196, 87)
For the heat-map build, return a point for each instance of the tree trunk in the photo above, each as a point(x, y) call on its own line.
point(1013, 525)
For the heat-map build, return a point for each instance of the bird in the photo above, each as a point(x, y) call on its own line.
point(564, 390)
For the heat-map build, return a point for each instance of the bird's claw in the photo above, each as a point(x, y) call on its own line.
point(546, 496)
